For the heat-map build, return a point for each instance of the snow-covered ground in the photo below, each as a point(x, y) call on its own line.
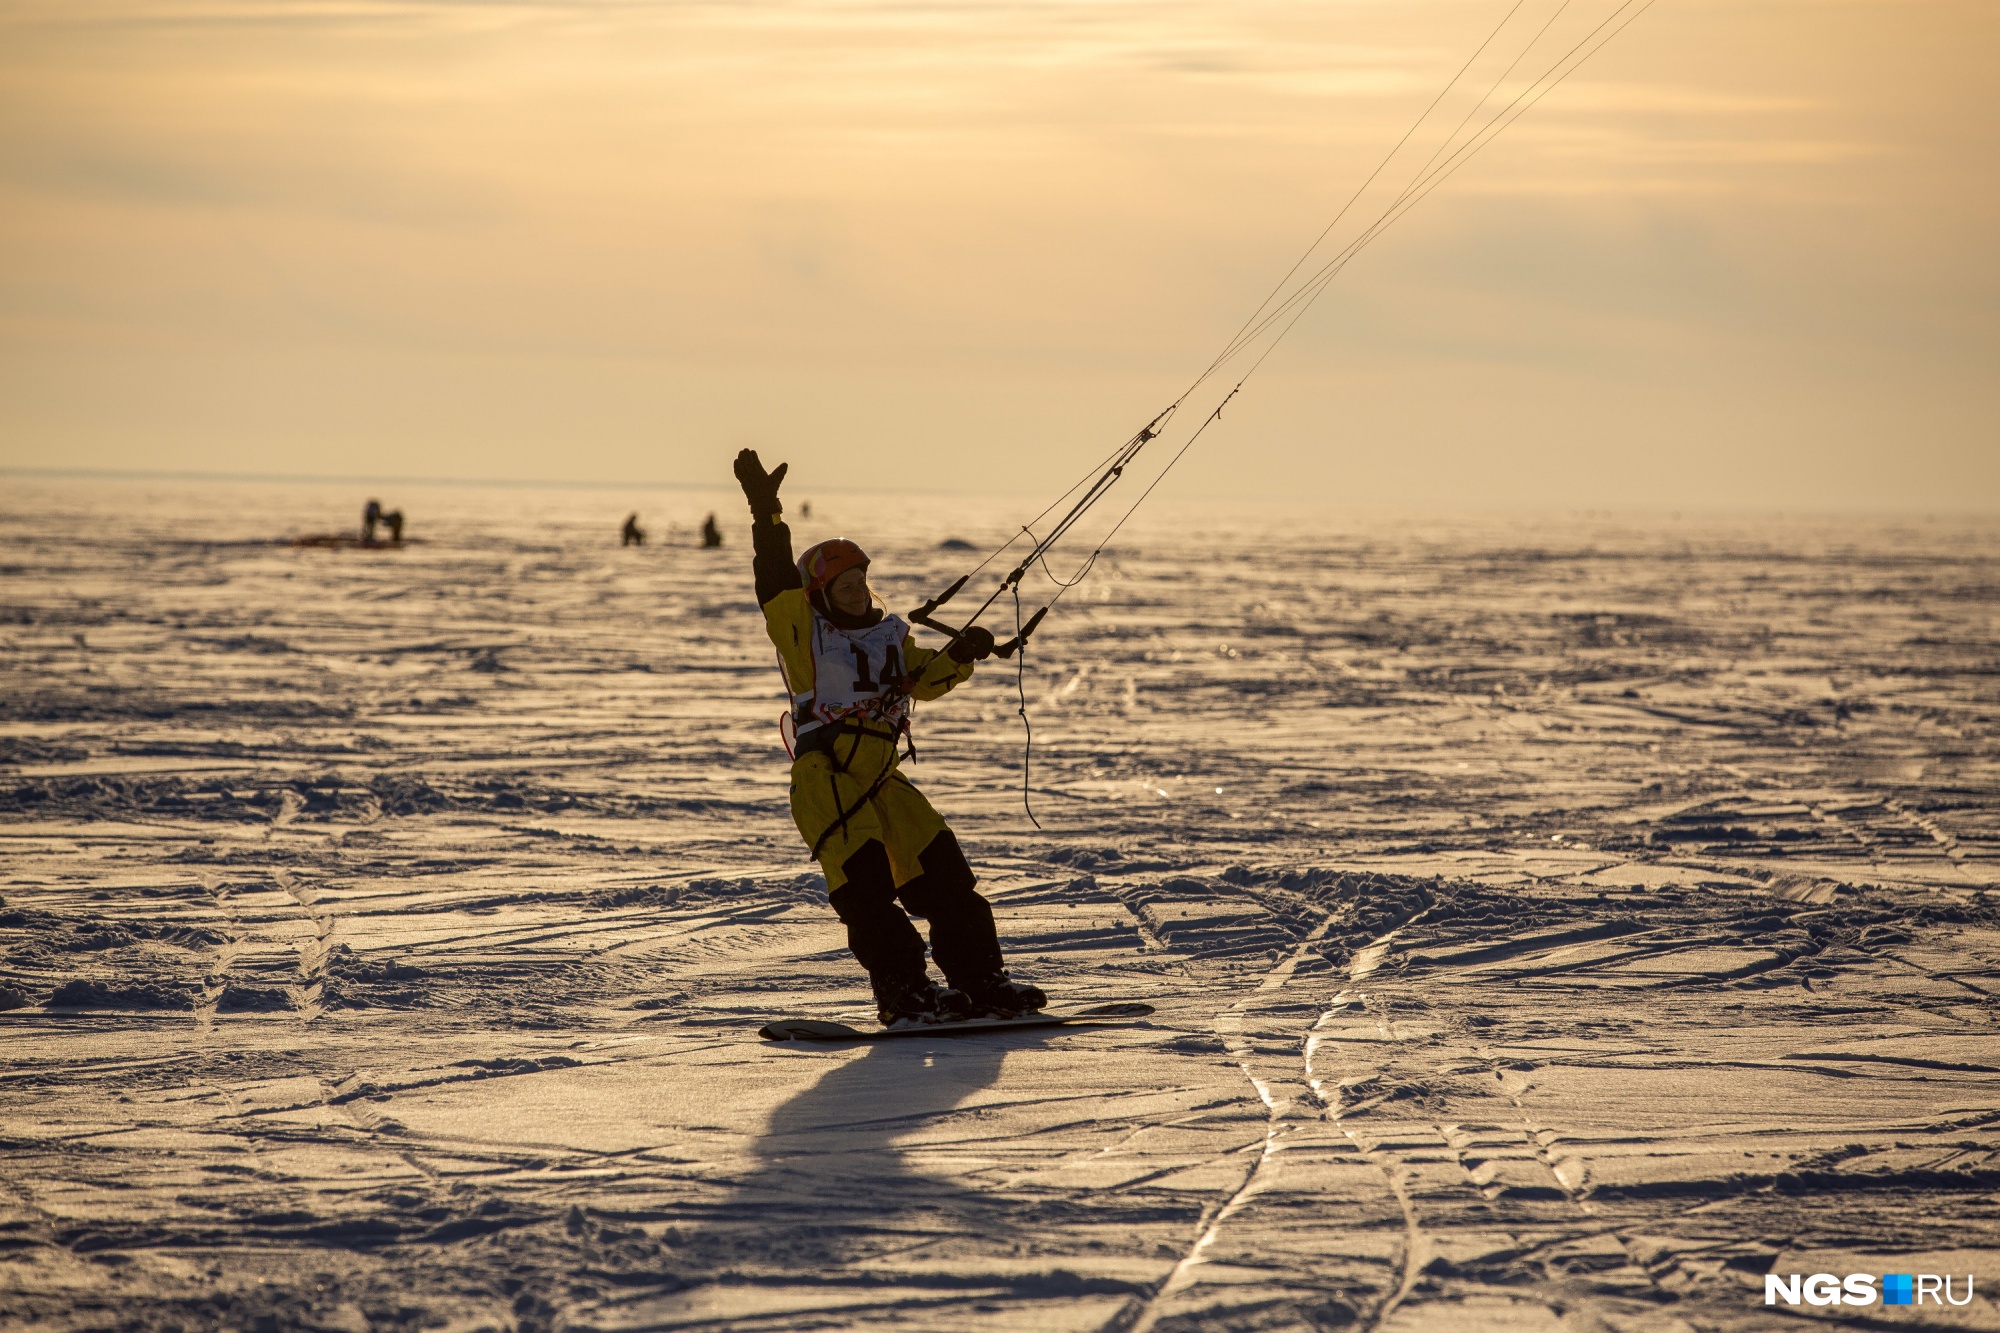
point(1554, 921)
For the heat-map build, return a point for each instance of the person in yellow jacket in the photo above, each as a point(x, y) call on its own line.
point(853, 671)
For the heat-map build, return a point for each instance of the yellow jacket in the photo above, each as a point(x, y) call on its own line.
point(851, 686)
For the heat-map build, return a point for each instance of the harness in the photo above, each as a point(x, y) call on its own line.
point(859, 690)
point(844, 813)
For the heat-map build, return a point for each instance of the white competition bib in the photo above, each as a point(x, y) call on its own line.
point(857, 673)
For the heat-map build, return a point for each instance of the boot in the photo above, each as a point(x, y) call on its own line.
point(997, 997)
point(919, 1002)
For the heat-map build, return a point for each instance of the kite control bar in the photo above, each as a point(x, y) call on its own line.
point(924, 615)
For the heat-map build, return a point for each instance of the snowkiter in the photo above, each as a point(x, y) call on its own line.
point(853, 671)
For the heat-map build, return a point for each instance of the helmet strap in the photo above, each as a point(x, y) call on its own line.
point(840, 619)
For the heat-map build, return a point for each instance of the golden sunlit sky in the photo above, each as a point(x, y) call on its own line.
point(1744, 257)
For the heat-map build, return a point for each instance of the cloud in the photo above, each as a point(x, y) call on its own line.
point(861, 201)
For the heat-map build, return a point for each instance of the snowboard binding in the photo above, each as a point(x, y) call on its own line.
point(920, 1003)
point(999, 997)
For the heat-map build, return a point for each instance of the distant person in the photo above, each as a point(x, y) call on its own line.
point(370, 516)
point(805, 509)
point(711, 536)
point(394, 520)
point(632, 534)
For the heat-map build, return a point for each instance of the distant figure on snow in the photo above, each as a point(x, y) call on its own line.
point(392, 519)
point(711, 536)
point(632, 534)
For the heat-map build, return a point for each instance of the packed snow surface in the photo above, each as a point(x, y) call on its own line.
point(1555, 921)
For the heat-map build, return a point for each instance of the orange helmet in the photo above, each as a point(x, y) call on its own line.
point(826, 561)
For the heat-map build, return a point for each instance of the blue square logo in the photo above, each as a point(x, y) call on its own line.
point(1898, 1288)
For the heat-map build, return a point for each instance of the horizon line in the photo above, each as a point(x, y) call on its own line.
point(550, 483)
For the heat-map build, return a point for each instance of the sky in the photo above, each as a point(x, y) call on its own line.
point(1742, 258)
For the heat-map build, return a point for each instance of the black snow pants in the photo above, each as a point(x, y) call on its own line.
point(963, 938)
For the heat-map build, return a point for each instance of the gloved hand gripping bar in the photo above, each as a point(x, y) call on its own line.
point(926, 615)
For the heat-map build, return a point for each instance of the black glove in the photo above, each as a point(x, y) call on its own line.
point(760, 486)
point(971, 646)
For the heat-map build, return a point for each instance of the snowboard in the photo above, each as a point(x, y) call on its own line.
point(814, 1029)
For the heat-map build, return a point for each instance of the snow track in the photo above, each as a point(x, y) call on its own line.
point(1552, 925)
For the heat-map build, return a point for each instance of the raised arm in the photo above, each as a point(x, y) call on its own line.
point(781, 593)
point(770, 539)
